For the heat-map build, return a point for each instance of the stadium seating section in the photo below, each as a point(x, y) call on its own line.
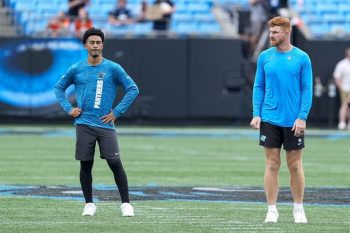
point(324, 18)
point(191, 16)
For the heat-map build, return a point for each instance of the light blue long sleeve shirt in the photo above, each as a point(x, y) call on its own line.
point(96, 89)
point(282, 89)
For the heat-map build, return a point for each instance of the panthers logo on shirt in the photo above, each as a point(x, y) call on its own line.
point(101, 75)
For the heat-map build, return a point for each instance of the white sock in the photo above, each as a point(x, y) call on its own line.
point(272, 207)
point(298, 206)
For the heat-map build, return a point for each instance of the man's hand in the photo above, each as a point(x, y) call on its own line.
point(75, 112)
point(299, 127)
point(108, 118)
point(255, 123)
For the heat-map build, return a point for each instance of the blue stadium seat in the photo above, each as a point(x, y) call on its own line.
point(182, 16)
point(188, 27)
point(23, 6)
point(204, 17)
point(143, 28)
point(210, 28)
point(320, 30)
point(333, 17)
point(347, 27)
point(120, 30)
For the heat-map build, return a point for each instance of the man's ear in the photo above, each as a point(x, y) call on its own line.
point(286, 33)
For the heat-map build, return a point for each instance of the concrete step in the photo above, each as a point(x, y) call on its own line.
point(8, 31)
point(4, 13)
point(5, 16)
point(7, 28)
point(5, 10)
point(5, 21)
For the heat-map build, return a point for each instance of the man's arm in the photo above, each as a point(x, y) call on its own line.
point(62, 84)
point(131, 92)
point(259, 88)
point(306, 89)
point(258, 94)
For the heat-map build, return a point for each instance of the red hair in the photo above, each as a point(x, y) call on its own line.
point(280, 21)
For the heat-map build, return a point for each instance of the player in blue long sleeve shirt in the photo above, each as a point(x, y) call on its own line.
point(282, 87)
point(96, 88)
point(96, 80)
point(282, 98)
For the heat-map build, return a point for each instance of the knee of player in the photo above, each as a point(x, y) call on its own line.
point(295, 167)
point(273, 166)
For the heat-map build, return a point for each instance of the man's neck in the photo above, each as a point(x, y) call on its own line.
point(286, 47)
point(94, 60)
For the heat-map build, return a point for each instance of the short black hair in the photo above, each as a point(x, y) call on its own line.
point(93, 32)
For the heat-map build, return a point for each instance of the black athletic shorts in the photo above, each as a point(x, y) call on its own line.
point(86, 142)
point(273, 136)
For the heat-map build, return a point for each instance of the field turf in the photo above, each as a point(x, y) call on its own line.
point(195, 157)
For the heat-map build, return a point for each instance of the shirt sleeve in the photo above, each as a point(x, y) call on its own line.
point(60, 90)
point(131, 92)
point(306, 88)
point(259, 87)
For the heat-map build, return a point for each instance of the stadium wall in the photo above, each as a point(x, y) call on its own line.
point(179, 79)
point(182, 80)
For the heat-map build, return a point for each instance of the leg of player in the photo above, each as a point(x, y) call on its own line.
point(297, 183)
point(86, 186)
point(122, 183)
point(273, 163)
point(342, 116)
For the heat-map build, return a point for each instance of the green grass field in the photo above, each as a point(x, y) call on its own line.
point(33, 159)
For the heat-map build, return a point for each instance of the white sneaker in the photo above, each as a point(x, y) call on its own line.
point(299, 216)
point(341, 125)
point(89, 210)
point(271, 216)
point(127, 210)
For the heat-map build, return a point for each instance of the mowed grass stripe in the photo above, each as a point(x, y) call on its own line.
point(219, 162)
point(160, 215)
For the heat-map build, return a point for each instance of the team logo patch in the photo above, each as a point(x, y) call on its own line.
point(101, 75)
point(263, 138)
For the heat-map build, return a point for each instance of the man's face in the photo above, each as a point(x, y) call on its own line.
point(94, 46)
point(278, 35)
point(121, 3)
